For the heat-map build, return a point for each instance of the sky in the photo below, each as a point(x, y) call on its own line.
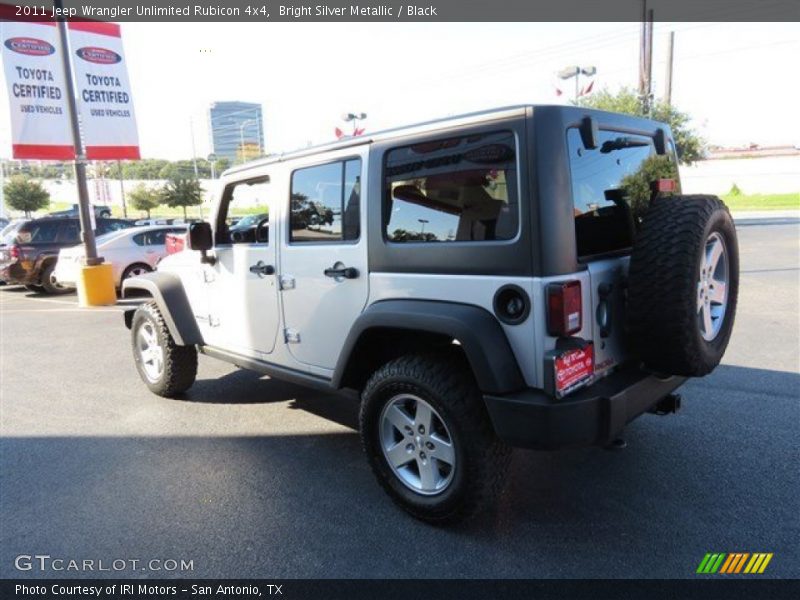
point(737, 80)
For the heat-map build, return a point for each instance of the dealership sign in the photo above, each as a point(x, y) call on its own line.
point(104, 93)
point(34, 72)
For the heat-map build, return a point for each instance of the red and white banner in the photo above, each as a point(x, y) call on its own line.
point(37, 94)
point(105, 102)
point(40, 125)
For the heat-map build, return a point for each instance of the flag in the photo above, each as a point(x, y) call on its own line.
point(339, 133)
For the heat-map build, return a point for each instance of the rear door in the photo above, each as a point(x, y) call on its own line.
point(610, 190)
point(323, 269)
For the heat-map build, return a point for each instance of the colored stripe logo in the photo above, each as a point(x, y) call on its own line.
point(732, 563)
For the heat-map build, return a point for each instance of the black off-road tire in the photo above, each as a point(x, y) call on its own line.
point(180, 362)
point(446, 383)
point(663, 284)
point(49, 285)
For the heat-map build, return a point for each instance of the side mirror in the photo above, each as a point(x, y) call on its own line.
point(590, 133)
point(200, 238)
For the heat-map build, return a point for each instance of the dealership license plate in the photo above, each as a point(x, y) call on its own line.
point(573, 369)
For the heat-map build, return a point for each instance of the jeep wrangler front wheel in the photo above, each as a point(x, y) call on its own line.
point(166, 368)
point(429, 440)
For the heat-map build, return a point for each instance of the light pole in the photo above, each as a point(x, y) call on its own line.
point(424, 222)
point(576, 72)
point(355, 118)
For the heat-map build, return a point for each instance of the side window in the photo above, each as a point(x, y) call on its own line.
point(244, 208)
point(325, 203)
point(69, 232)
point(461, 189)
point(156, 238)
point(42, 232)
point(139, 239)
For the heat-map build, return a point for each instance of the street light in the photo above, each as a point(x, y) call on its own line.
point(355, 118)
point(576, 72)
point(423, 221)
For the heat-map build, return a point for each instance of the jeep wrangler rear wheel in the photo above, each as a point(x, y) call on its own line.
point(683, 285)
point(166, 368)
point(429, 440)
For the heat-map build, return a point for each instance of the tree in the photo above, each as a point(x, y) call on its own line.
point(688, 144)
point(636, 186)
point(25, 194)
point(182, 192)
point(143, 198)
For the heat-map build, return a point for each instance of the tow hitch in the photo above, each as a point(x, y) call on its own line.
point(668, 405)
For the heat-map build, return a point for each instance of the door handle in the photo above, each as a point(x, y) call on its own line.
point(341, 272)
point(261, 269)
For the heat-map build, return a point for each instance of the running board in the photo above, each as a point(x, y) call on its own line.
point(274, 371)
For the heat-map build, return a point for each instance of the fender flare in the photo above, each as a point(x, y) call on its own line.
point(480, 334)
point(168, 293)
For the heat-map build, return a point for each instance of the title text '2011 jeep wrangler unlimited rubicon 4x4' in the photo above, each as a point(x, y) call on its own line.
point(515, 277)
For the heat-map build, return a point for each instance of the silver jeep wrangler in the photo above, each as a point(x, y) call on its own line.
point(527, 276)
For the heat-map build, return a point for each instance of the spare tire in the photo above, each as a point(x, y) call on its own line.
point(683, 284)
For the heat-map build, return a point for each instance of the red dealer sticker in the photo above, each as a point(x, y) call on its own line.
point(573, 368)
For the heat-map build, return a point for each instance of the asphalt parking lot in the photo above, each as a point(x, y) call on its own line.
point(250, 477)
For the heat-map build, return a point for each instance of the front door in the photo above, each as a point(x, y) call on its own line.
point(323, 272)
point(243, 315)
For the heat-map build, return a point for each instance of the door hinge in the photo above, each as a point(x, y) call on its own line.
point(291, 336)
point(208, 277)
point(286, 282)
point(213, 321)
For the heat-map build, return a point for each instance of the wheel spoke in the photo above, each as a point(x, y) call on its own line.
point(423, 417)
point(443, 451)
point(427, 474)
point(399, 419)
point(399, 455)
point(712, 257)
point(708, 327)
point(717, 291)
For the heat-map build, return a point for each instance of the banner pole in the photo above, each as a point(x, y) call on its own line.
point(87, 234)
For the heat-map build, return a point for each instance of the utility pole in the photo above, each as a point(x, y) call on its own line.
point(87, 233)
point(646, 59)
point(670, 59)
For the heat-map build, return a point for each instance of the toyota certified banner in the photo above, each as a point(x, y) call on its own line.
point(37, 91)
point(37, 94)
point(105, 101)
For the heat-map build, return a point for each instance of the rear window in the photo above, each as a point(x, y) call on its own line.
point(39, 232)
point(611, 187)
point(461, 189)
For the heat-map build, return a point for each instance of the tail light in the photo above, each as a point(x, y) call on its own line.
point(14, 252)
point(564, 308)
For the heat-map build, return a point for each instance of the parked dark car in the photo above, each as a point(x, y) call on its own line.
point(100, 212)
point(30, 258)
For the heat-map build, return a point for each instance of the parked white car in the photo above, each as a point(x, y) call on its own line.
point(131, 252)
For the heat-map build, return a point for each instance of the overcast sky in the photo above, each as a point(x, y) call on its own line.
point(739, 81)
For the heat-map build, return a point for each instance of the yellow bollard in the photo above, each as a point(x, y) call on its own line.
point(96, 285)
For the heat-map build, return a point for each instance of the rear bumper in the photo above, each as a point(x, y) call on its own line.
point(16, 273)
point(593, 415)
